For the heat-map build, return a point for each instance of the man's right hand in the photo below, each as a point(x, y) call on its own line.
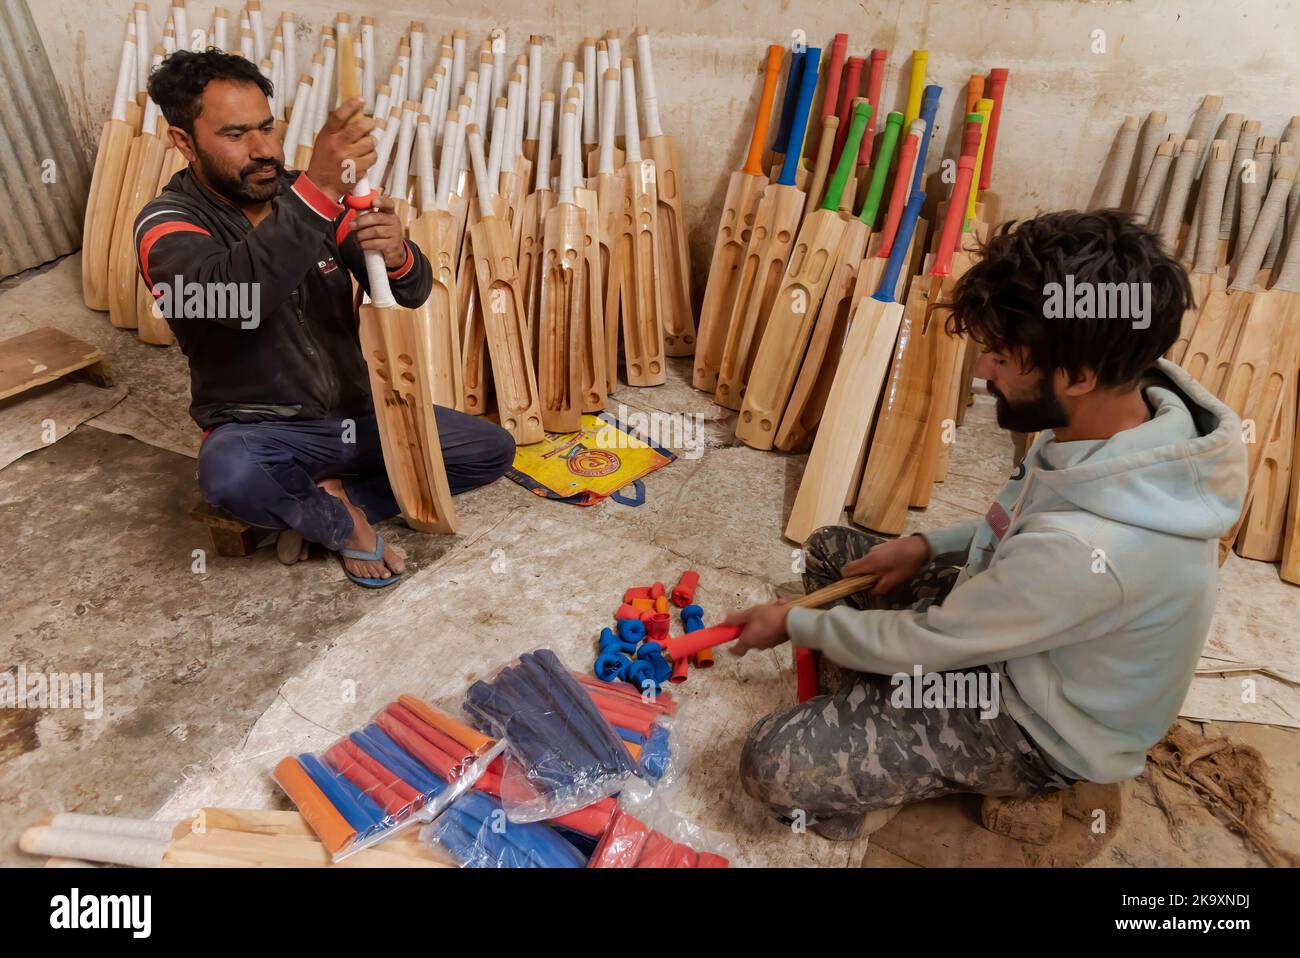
point(896, 562)
point(344, 150)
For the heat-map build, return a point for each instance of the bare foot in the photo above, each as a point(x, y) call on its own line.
point(363, 539)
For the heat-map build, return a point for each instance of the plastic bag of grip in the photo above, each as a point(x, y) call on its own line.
point(408, 766)
point(645, 834)
point(563, 753)
point(644, 722)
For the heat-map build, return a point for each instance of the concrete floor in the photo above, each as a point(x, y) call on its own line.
point(211, 676)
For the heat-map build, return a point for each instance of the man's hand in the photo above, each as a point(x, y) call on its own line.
point(344, 150)
point(378, 228)
point(896, 562)
point(764, 626)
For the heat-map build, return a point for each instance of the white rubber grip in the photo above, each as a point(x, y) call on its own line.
point(649, 95)
point(631, 128)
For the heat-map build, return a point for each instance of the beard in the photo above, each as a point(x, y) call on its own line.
point(1042, 411)
point(238, 187)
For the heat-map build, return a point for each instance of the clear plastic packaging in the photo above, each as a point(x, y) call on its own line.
point(645, 834)
point(564, 754)
point(406, 767)
point(477, 834)
point(643, 721)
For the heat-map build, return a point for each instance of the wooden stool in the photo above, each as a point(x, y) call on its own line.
point(230, 536)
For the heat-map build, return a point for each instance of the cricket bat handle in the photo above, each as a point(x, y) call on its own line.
point(898, 254)
point(807, 84)
point(649, 94)
point(997, 87)
point(754, 161)
point(929, 108)
point(875, 79)
point(792, 81)
point(687, 645)
point(955, 216)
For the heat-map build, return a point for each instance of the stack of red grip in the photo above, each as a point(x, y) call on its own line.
point(630, 843)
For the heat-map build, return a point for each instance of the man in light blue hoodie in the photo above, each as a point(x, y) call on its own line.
point(1054, 639)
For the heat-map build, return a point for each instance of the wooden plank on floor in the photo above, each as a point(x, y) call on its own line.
point(44, 355)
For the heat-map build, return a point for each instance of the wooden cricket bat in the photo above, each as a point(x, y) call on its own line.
point(734, 228)
point(615, 228)
point(1180, 185)
point(639, 255)
point(435, 233)
point(1265, 527)
point(859, 382)
point(537, 205)
point(776, 220)
point(676, 314)
point(106, 182)
point(821, 165)
point(1150, 137)
point(212, 838)
point(1109, 191)
point(561, 318)
point(139, 186)
point(401, 359)
point(788, 327)
point(830, 94)
point(502, 309)
point(845, 290)
point(1153, 186)
point(1211, 351)
point(1205, 271)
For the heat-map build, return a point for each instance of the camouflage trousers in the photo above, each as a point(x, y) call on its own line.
point(830, 760)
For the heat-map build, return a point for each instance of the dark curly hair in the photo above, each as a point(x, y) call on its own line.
point(1005, 301)
point(178, 83)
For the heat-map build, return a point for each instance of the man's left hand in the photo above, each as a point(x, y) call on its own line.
point(378, 228)
point(764, 626)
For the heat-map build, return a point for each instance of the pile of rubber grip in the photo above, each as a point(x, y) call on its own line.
point(630, 843)
point(556, 733)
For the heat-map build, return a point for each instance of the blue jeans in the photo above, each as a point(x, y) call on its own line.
point(265, 473)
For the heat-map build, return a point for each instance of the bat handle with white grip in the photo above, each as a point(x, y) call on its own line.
point(568, 119)
point(631, 129)
point(496, 148)
point(534, 85)
point(141, 45)
point(125, 78)
point(608, 113)
point(452, 135)
point(545, 128)
point(474, 138)
point(591, 104)
point(381, 294)
point(649, 95)
point(424, 164)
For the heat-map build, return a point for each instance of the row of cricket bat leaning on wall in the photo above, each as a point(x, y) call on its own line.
point(1225, 198)
point(537, 252)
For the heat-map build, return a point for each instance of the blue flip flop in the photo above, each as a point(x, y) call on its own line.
point(376, 556)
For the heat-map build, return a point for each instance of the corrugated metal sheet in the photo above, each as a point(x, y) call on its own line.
point(43, 174)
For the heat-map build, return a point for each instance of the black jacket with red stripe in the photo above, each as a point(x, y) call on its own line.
point(269, 328)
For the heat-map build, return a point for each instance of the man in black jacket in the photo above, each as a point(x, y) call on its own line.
point(251, 265)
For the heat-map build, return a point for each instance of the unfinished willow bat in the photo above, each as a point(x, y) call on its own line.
point(1205, 271)
point(638, 254)
point(537, 205)
point(106, 183)
point(615, 229)
point(776, 220)
point(787, 330)
point(1109, 192)
point(734, 228)
point(502, 310)
point(860, 380)
point(676, 315)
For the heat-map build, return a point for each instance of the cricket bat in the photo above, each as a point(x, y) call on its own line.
point(139, 186)
point(536, 207)
point(615, 229)
point(401, 360)
point(434, 232)
point(776, 220)
point(794, 310)
point(830, 93)
point(1265, 529)
point(1149, 140)
point(734, 228)
point(789, 98)
point(860, 380)
point(821, 165)
point(873, 268)
point(676, 314)
point(1205, 270)
point(1153, 185)
point(1109, 191)
point(502, 309)
point(561, 317)
point(106, 182)
point(639, 255)
point(1180, 185)
point(845, 290)
point(875, 81)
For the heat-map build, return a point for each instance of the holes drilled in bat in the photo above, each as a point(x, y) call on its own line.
point(405, 359)
point(783, 236)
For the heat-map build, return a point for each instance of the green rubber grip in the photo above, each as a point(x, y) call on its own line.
point(848, 155)
point(889, 139)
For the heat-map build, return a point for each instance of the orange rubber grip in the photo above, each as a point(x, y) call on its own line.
point(471, 738)
point(771, 73)
point(443, 743)
point(974, 91)
point(324, 819)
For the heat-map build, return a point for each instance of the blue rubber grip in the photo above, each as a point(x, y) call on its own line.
point(627, 735)
point(902, 239)
point(929, 109)
point(354, 805)
point(375, 742)
point(787, 105)
point(812, 63)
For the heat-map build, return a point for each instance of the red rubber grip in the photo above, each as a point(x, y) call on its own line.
point(875, 79)
point(805, 671)
point(898, 198)
point(997, 88)
point(831, 92)
point(360, 202)
point(622, 844)
point(955, 216)
point(684, 646)
point(852, 82)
